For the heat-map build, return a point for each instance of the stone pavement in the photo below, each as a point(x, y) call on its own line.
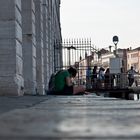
point(69, 118)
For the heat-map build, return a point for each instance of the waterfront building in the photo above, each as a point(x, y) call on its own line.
point(133, 58)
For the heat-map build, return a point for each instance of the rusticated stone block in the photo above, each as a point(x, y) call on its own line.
point(11, 62)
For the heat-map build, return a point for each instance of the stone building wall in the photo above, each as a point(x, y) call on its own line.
point(28, 30)
point(45, 41)
point(57, 36)
point(29, 46)
point(39, 46)
point(11, 58)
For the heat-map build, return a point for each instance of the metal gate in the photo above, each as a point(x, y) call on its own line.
point(78, 53)
point(81, 54)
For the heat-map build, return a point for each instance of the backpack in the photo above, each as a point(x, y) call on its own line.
point(51, 84)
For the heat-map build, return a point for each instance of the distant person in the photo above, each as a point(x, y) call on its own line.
point(94, 77)
point(123, 78)
point(107, 80)
point(101, 77)
point(88, 78)
point(64, 85)
point(131, 77)
point(101, 73)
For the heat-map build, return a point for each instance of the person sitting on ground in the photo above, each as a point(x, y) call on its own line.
point(64, 85)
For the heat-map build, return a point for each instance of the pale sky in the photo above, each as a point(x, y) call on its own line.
point(100, 20)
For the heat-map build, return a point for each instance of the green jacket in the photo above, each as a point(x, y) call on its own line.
point(60, 80)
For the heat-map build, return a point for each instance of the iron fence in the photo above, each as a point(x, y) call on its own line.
point(80, 53)
point(112, 81)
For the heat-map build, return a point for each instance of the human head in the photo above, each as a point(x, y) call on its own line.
point(95, 67)
point(72, 71)
point(102, 69)
point(131, 67)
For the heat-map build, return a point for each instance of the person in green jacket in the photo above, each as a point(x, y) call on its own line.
point(64, 84)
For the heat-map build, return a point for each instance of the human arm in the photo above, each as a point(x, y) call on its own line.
point(68, 81)
point(136, 72)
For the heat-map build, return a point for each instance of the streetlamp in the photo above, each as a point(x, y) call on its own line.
point(115, 41)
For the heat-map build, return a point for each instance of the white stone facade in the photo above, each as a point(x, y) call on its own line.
point(29, 46)
point(28, 30)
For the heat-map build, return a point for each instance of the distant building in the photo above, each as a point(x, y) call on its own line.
point(105, 59)
point(133, 58)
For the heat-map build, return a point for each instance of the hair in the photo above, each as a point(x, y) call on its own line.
point(72, 71)
point(101, 68)
point(107, 70)
point(95, 67)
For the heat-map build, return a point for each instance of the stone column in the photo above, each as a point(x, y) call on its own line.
point(57, 35)
point(29, 46)
point(39, 47)
point(51, 37)
point(11, 63)
point(45, 42)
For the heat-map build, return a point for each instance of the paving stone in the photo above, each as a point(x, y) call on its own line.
point(70, 117)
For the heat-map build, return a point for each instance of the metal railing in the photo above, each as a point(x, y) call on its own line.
point(110, 81)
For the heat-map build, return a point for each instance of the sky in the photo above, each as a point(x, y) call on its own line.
point(100, 20)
